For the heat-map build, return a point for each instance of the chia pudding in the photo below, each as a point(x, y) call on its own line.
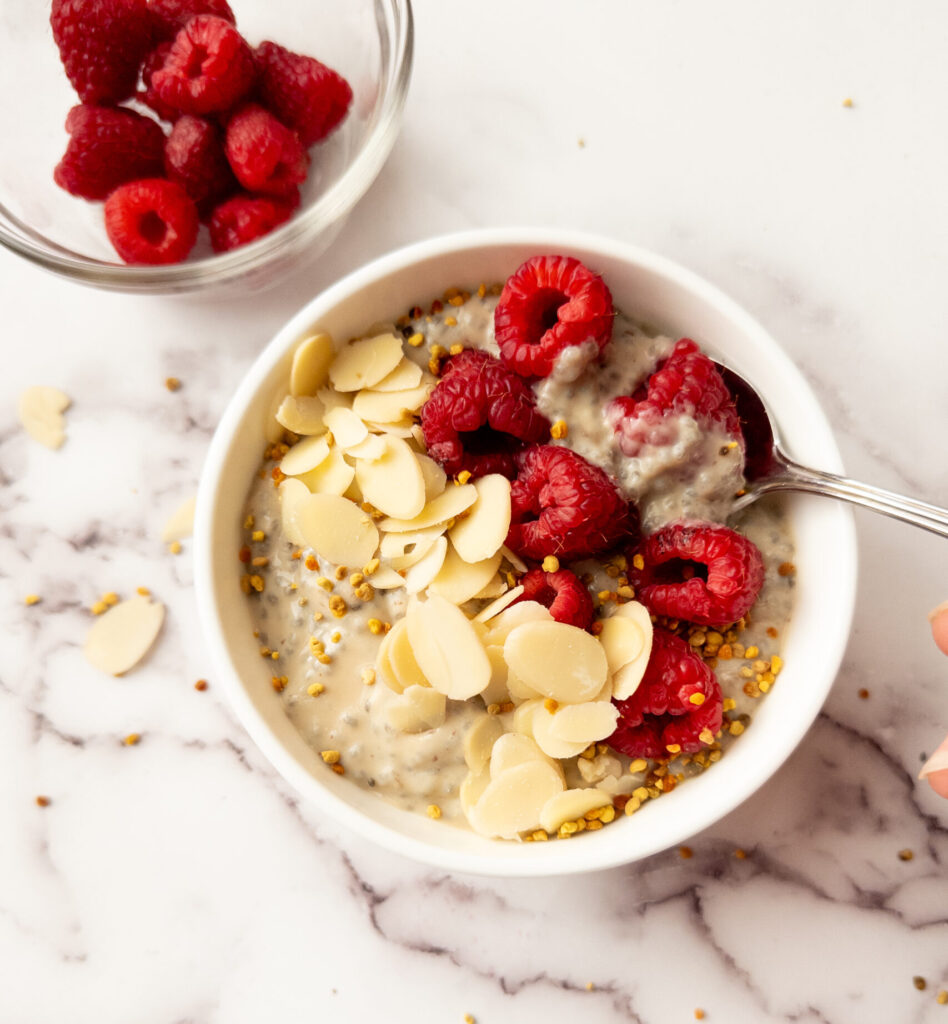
point(330, 633)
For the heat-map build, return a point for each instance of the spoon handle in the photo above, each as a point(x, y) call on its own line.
point(791, 476)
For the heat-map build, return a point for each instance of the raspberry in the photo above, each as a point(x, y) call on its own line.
point(209, 68)
point(563, 592)
point(265, 155)
point(245, 218)
point(151, 221)
point(304, 94)
point(687, 383)
point(170, 16)
point(563, 505)
point(549, 304)
point(696, 571)
point(106, 148)
point(667, 709)
point(194, 158)
point(154, 61)
point(102, 44)
point(479, 415)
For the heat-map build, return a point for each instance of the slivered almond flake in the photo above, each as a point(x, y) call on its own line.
point(311, 362)
point(417, 709)
point(394, 546)
point(347, 429)
point(542, 722)
point(626, 679)
point(511, 803)
point(403, 428)
point(123, 635)
point(557, 660)
point(402, 658)
point(522, 719)
point(405, 376)
point(303, 415)
point(363, 363)
point(393, 482)
point(570, 805)
point(495, 692)
point(41, 413)
point(427, 568)
point(306, 455)
point(459, 581)
point(372, 447)
point(292, 492)
point(481, 534)
point(435, 478)
point(181, 522)
point(502, 624)
point(479, 741)
point(495, 587)
point(512, 749)
point(451, 503)
point(337, 529)
point(447, 648)
point(388, 407)
point(386, 578)
point(585, 723)
point(332, 476)
point(472, 788)
point(496, 607)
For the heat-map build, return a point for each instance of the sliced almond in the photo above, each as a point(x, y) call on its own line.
point(373, 447)
point(496, 607)
point(626, 679)
point(435, 477)
point(303, 415)
point(360, 364)
point(542, 722)
point(447, 648)
point(333, 399)
point(503, 624)
point(122, 636)
point(512, 802)
point(406, 375)
point(417, 709)
point(181, 522)
point(471, 790)
point(512, 749)
point(482, 532)
point(305, 455)
point(292, 493)
point(518, 689)
point(479, 741)
point(515, 560)
point(459, 581)
point(390, 406)
point(393, 482)
point(625, 634)
point(403, 428)
point(337, 529)
point(496, 692)
point(346, 427)
point(385, 578)
point(585, 723)
point(399, 545)
point(521, 721)
point(41, 413)
point(402, 658)
point(311, 362)
point(332, 476)
point(424, 571)
point(495, 587)
point(570, 805)
point(557, 660)
point(383, 661)
point(451, 503)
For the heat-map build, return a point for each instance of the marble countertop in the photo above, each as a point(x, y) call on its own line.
point(180, 880)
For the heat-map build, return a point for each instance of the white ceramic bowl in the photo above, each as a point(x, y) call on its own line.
point(675, 301)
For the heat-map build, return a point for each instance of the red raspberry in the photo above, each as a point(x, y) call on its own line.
point(170, 16)
point(563, 592)
point(151, 221)
point(696, 571)
point(194, 158)
point(265, 155)
point(209, 68)
point(549, 304)
point(479, 415)
point(563, 505)
point(154, 61)
point(686, 383)
point(304, 94)
point(102, 44)
point(677, 705)
point(106, 148)
point(245, 218)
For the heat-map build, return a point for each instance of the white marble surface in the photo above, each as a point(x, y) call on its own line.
point(180, 881)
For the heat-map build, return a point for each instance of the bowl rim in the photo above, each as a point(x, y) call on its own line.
point(396, 25)
point(586, 857)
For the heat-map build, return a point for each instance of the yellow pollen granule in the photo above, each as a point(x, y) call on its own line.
point(697, 698)
point(450, 321)
point(551, 564)
point(330, 756)
point(375, 626)
point(464, 476)
point(638, 561)
point(338, 606)
point(456, 350)
point(315, 689)
point(131, 739)
point(728, 704)
point(99, 608)
point(638, 765)
point(776, 664)
point(559, 430)
point(32, 599)
point(673, 748)
point(175, 547)
point(416, 340)
point(942, 997)
point(172, 383)
point(706, 736)
point(368, 676)
point(551, 705)
point(433, 811)
point(325, 583)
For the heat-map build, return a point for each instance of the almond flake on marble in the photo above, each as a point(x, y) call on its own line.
point(482, 532)
point(506, 598)
point(389, 407)
point(471, 790)
point(451, 503)
point(512, 749)
point(122, 636)
point(360, 364)
point(435, 477)
point(181, 522)
point(337, 529)
point(393, 482)
point(402, 658)
point(311, 361)
point(305, 455)
point(512, 802)
point(373, 447)
point(585, 723)
point(425, 569)
point(503, 624)
point(303, 415)
point(570, 805)
point(447, 648)
point(542, 721)
point(479, 741)
point(557, 660)
point(416, 709)
point(405, 376)
point(292, 493)
point(41, 413)
point(347, 429)
point(458, 580)
point(332, 476)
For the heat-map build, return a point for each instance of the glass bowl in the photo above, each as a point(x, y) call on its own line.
point(367, 41)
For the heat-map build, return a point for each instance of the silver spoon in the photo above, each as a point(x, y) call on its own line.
point(769, 468)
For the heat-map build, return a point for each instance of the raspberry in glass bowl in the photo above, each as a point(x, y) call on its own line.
point(584, 553)
point(123, 90)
